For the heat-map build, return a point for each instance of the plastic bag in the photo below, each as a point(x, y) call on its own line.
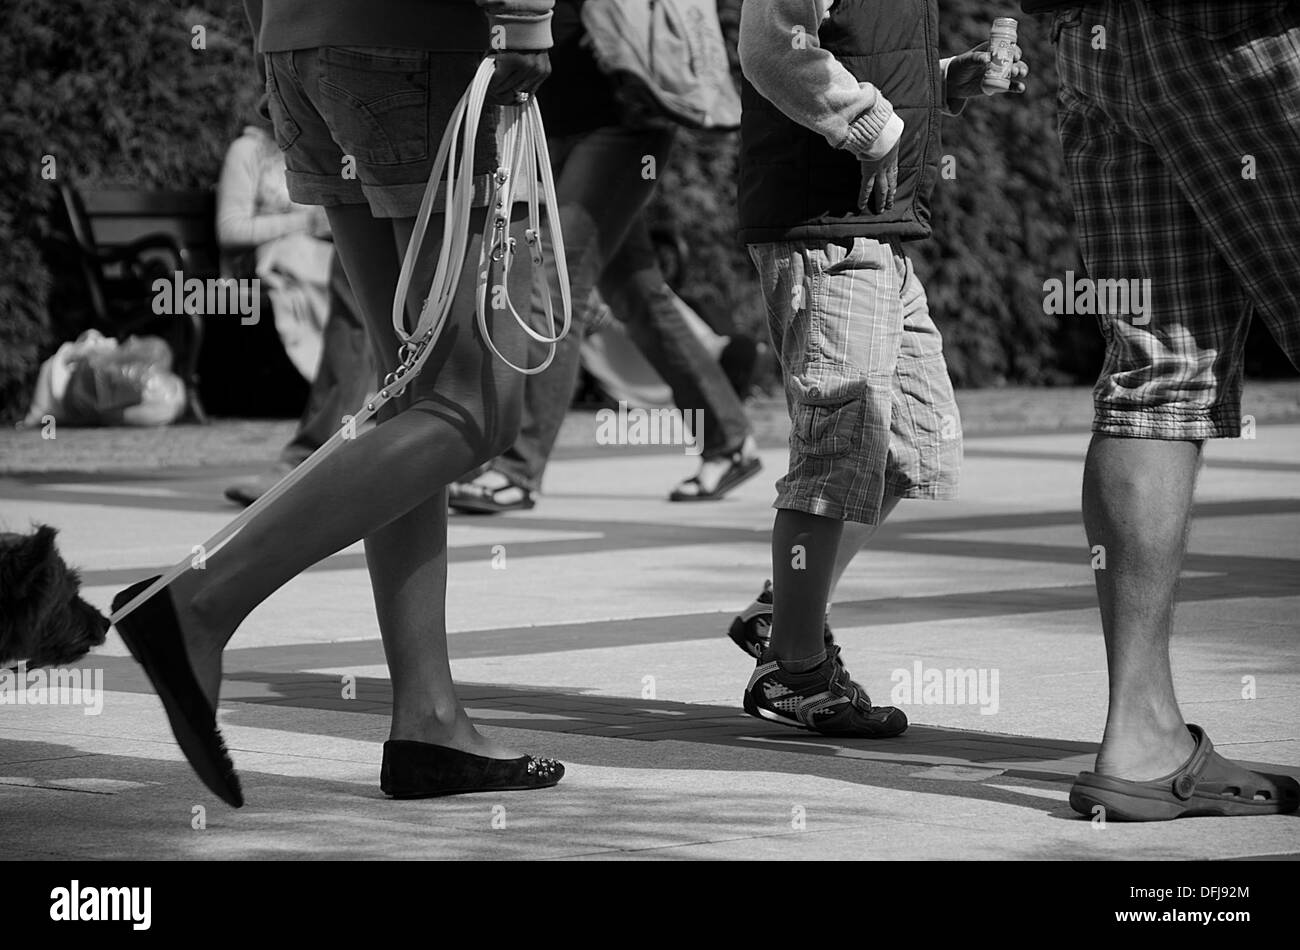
point(101, 381)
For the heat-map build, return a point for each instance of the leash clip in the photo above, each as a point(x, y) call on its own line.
point(499, 242)
point(534, 241)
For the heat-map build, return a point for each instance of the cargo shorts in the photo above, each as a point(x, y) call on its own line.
point(872, 409)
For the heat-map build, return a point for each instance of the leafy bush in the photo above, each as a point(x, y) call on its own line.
point(116, 93)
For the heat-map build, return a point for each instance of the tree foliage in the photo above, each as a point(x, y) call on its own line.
point(115, 92)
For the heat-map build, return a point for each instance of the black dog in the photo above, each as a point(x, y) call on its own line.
point(42, 618)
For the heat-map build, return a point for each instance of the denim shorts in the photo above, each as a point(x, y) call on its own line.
point(361, 125)
point(872, 410)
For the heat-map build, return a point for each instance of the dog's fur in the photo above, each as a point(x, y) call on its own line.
point(42, 618)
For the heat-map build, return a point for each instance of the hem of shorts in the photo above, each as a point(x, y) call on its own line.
point(923, 492)
point(385, 201)
point(1169, 426)
point(325, 190)
point(403, 201)
point(826, 509)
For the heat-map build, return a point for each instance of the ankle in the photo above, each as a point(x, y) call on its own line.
point(1144, 711)
point(210, 611)
point(1131, 731)
point(428, 723)
point(201, 610)
point(805, 663)
point(1142, 755)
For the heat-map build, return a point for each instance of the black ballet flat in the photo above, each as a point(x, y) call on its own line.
point(153, 635)
point(424, 770)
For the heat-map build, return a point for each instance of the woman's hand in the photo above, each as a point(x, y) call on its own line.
point(517, 72)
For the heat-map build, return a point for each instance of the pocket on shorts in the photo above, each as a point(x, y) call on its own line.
point(827, 431)
point(1061, 19)
point(286, 129)
point(383, 99)
point(1214, 21)
point(827, 419)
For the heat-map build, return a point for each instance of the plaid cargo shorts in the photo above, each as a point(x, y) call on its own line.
point(871, 407)
point(1180, 124)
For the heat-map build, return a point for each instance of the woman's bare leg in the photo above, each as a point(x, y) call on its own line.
point(407, 560)
point(383, 486)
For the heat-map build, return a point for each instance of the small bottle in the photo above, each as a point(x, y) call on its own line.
point(1002, 42)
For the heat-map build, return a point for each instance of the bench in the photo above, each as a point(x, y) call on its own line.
point(123, 215)
point(120, 240)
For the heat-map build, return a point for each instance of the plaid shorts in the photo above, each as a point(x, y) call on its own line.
point(871, 407)
point(1180, 124)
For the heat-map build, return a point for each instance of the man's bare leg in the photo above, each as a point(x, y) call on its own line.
point(1137, 500)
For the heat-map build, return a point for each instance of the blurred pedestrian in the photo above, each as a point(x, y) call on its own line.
point(253, 210)
point(263, 233)
point(600, 153)
point(344, 377)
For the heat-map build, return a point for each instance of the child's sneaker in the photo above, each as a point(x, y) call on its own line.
point(824, 700)
point(752, 628)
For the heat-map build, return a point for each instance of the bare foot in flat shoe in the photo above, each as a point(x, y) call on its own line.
point(203, 644)
point(459, 734)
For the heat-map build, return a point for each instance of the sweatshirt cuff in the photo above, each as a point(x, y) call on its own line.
point(521, 31)
point(873, 133)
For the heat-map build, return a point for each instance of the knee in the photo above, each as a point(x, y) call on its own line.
point(501, 431)
point(489, 429)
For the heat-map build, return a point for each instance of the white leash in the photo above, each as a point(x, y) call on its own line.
point(523, 159)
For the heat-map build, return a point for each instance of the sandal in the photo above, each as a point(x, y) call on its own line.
point(478, 499)
point(1207, 785)
point(740, 469)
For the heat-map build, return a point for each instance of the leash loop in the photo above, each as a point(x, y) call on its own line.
point(524, 164)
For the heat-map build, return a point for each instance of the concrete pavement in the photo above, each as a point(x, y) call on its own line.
point(592, 629)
